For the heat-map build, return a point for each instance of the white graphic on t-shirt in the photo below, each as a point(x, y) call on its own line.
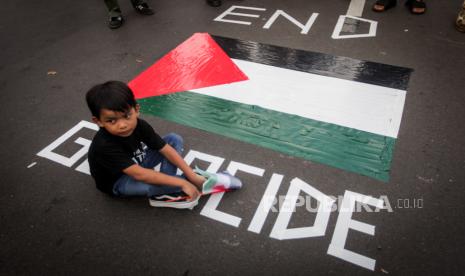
point(140, 153)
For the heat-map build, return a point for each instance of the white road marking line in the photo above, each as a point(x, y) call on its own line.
point(356, 8)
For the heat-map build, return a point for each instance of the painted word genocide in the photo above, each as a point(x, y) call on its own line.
point(267, 203)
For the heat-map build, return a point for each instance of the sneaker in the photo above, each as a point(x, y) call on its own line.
point(217, 182)
point(144, 9)
point(115, 22)
point(214, 3)
point(177, 200)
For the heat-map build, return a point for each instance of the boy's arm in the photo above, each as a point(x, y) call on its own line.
point(156, 178)
point(172, 155)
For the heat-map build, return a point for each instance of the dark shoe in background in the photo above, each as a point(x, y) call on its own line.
point(144, 9)
point(115, 22)
point(214, 3)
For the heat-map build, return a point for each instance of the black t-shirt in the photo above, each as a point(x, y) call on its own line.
point(109, 155)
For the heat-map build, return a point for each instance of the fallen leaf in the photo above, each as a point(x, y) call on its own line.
point(51, 73)
point(425, 179)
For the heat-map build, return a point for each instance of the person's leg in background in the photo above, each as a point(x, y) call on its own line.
point(116, 18)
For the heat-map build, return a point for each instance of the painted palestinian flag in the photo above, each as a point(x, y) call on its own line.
point(333, 110)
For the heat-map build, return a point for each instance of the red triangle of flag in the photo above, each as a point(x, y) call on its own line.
point(197, 62)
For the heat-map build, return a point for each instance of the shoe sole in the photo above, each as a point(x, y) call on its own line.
point(115, 27)
point(174, 204)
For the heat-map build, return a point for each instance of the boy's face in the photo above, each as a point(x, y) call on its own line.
point(118, 123)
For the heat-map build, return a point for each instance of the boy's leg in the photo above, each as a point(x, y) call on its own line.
point(175, 141)
point(154, 158)
point(127, 186)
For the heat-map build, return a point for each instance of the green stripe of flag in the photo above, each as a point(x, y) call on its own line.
point(342, 147)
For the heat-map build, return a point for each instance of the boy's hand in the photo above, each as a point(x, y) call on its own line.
point(172, 156)
point(197, 180)
point(191, 191)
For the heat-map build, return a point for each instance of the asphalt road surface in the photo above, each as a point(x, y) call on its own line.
point(54, 221)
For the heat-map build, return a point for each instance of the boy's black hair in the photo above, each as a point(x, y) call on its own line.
point(111, 95)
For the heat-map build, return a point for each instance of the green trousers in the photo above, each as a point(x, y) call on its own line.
point(114, 9)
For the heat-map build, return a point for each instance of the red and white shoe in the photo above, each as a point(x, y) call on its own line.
point(177, 200)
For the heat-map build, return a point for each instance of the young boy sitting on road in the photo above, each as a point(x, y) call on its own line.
point(125, 150)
